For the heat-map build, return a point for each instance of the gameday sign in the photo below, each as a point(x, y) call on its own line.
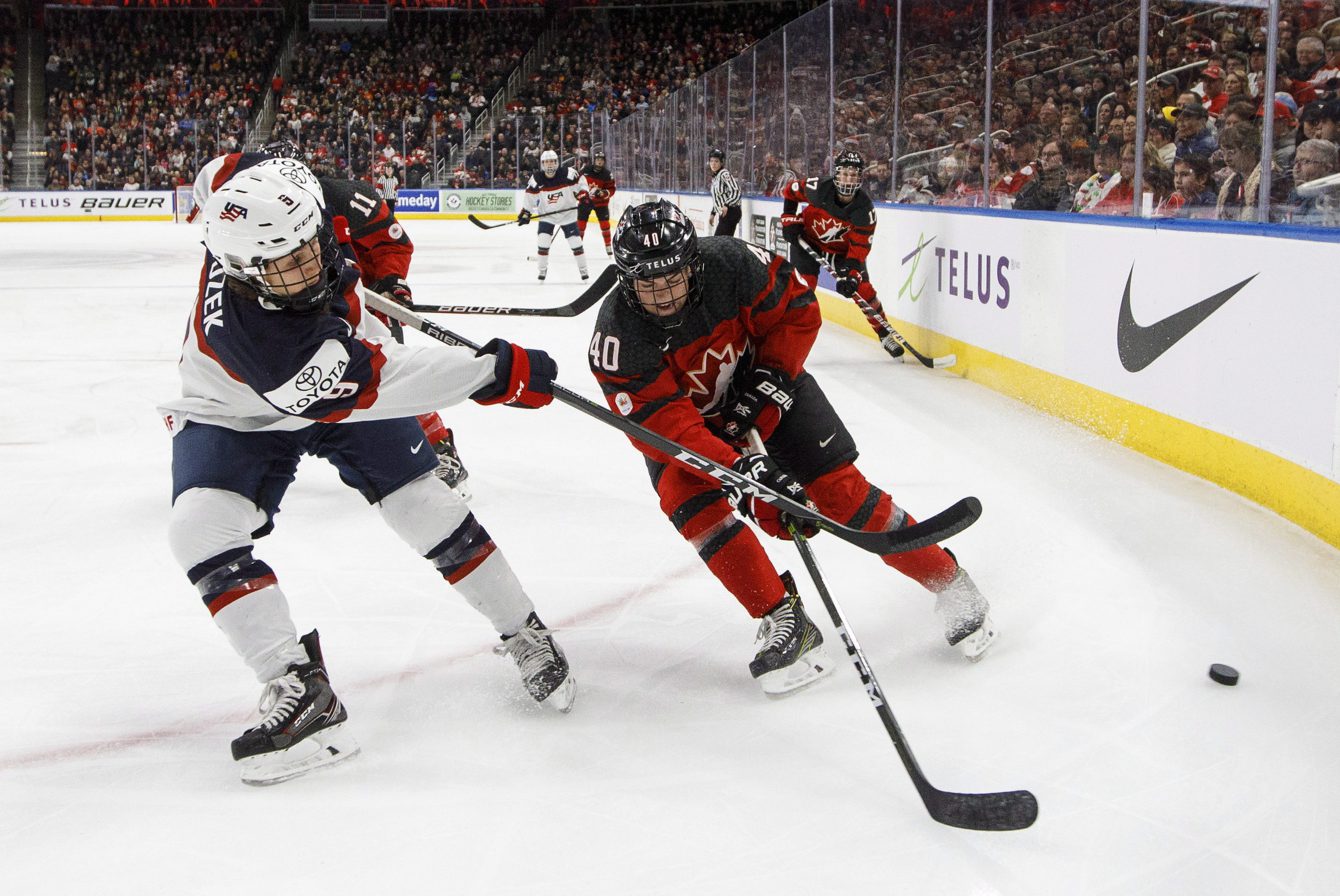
point(87, 205)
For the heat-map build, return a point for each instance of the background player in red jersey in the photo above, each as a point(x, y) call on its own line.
point(838, 221)
point(597, 182)
point(704, 340)
point(370, 234)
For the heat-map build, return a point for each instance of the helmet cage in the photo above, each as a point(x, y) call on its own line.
point(847, 171)
point(279, 282)
point(549, 162)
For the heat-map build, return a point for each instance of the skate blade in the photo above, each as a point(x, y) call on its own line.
point(563, 696)
point(805, 671)
point(462, 491)
point(975, 646)
point(327, 747)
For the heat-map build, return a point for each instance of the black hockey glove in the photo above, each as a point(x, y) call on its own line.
point(523, 217)
point(395, 289)
point(760, 405)
point(849, 281)
point(791, 227)
point(764, 470)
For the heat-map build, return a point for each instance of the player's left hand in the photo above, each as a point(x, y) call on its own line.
point(522, 377)
point(761, 405)
point(849, 281)
point(395, 289)
point(764, 470)
point(523, 217)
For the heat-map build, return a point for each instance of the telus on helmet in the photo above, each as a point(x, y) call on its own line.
point(267, 227)
point(655, 242)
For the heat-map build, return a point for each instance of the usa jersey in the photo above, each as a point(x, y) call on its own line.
point(247, 368)
point(376, 240)
point(598, 183)
point(559, 193)
point(755, 310)
point(844, 231)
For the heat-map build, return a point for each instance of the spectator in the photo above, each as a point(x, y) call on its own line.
point(1193, 131)
point(1314, 159)
point(1215, 98)
point(1050, 190)
point(1103, 180)
point(1192, 198)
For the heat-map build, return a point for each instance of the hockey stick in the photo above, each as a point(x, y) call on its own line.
point(593, 294)
point(1008, 811)
point(881, 320)
point(478, 223)
point(950, 521)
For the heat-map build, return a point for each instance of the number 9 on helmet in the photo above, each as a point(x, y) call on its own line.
point(267, 227)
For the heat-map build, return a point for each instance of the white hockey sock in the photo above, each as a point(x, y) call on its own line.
point(261, 630)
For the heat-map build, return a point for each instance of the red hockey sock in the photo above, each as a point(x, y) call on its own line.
point(434, 428)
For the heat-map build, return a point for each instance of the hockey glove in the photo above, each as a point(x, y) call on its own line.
point(523, 217)
point(849, 281)
point(395, 289)
point(764, 470)
point(791, 227)
point(760, 405)
point(522, 377)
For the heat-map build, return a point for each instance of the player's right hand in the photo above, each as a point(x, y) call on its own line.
point(791, 227)
point(395, 289)
point(523, 217)
point(522, 377)
point(764, 470)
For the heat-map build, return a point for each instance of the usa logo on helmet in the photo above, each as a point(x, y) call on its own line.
point(232, 211)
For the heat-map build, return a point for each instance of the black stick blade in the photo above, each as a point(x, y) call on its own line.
point(1010, 811)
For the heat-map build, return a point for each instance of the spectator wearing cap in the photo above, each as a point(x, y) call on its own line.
point(1193, 131)
point(1192, 196)
point(1215, 98)
point(1321, 121)
point(1314, 159)
point(1165, 91)
point(1285, 128)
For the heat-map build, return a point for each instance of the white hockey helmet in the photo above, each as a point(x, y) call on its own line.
point(549, 162)
point(266, 225)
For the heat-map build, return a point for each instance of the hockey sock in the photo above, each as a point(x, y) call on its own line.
point(434, 428)
point(733, 554)
point(578, 251)
point(250, 609)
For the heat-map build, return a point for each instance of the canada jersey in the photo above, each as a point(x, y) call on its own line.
point(378, 243)
point(755, 310)
point(598, 183)
point(555, 196)
point(831, 227)
point(248, 368)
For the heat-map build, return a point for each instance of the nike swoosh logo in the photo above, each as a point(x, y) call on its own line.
point(824, 443)
point(1138, 346)
point(415, 449)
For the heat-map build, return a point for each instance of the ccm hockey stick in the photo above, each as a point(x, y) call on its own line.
point(950, 521)
point(478, 223)
point(1009, 811)
point(593, 294)
point(889, 332)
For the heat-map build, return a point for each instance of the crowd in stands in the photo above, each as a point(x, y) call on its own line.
point(8, 55)
point(403, 98)
point(140, 98)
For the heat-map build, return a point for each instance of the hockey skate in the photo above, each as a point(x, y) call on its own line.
point(790, 652)
point(301, 727)
point(544, 668)
point(891, 346)
point(449, 467)
point(966, 616)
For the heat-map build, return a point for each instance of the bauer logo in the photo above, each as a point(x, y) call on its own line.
point(418, 201)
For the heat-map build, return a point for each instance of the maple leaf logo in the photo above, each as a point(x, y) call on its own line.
point(714, 374)
point(829, 229)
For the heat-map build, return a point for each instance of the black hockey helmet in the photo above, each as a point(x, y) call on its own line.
point(282, 149)
point(718, 155)
point(847, 171)
point(656, 240)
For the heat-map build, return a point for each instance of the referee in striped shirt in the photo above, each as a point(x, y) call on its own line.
point(725, 195)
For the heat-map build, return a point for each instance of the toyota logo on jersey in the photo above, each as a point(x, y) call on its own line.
point(232, 211)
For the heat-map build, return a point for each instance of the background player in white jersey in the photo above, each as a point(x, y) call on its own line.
point(555, 192)
point(281, 359)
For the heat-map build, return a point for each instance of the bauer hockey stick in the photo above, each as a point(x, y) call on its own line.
point(1009, 811)
point(880, 319)
point(478, 223)
point(950, 521)
point(593, 294)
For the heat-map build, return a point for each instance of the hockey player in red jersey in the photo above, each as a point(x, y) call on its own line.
point(281, 359)
point(372, 237)
point(598, 183)
point(704, 340)
point(838, 221)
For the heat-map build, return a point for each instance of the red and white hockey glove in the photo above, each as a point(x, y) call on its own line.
point(395, 289)
point(523, 377)
point(764, 470)
point(760, 405)
point(792, 225)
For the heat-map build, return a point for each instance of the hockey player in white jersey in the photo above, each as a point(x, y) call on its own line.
point(282, 359)
point(554, 192)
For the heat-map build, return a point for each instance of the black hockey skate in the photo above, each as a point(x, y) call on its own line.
point(544, 668)
point(301, 728)
point(790, 648)
point(449, 467)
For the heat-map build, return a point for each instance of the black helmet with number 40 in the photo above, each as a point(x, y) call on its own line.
point(655, 241)
point(847, 171)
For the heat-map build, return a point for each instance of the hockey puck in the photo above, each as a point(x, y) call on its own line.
point(1225, 675)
